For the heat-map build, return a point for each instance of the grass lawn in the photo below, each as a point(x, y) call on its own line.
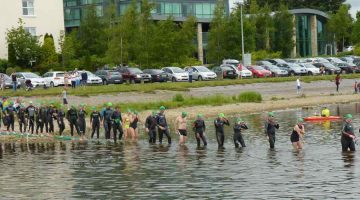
point(179, 86)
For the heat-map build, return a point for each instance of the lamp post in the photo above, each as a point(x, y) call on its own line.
point(241, 2)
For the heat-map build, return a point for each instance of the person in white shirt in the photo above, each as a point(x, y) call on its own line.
point(298, 86)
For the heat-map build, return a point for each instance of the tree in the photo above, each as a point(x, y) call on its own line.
point(49, 57)
point(25, 46)
point(264, 28)
point(340, 25)
point(68, 44)
point(184, 41)
point(355, 36)
point(283, 32)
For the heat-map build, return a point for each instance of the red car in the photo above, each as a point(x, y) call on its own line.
point(259, 72)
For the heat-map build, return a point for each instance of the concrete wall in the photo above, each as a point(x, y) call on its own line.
point(314, 43)
point(48, 18)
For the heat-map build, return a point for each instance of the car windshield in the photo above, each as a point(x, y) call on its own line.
point(281, 61)
point(337, 60)
point(294, 65)
point(272, 67)
point(113, 73)
point(309, 66)
point(267, 63)
point(258, 68)
point(322, 60)
point(59, 74)
point(155, 71)
point(30, 75)
point(202, 69)
point(326, 64)
point(135, 71)
point(177, 70)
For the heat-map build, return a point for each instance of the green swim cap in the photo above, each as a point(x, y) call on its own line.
point(199, 115)
point(221, 115)
point(271, 114)
point(183, 114)
point(82, 104)
point(72, 106)
point(162, 107)
point(348, 116)
point(11, 103)
point(109, 104)
point(136, 112)
point(300, 120)
point(153, 113)
point(239, 120)
point(93, 108)
point(61, 105)
point(30, 102)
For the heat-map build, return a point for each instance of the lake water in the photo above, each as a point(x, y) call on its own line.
point(100, 170)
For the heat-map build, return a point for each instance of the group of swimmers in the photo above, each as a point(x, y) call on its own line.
point(34, 119)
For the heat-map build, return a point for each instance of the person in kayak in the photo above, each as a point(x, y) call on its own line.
point(106, 116)
point(180, 126)
point(150, 127)
point(81, 119)
point(297, 134)
point(117, 123)
point(21, 115)
point(95, 119)
point(348, 135)
point(325, 112)
point(30, 114)
point(270, 129)
point(238, 127)
point(72, 116)
point(60, 115)
point(219, 123)
point(163, 128)
point(199, 129)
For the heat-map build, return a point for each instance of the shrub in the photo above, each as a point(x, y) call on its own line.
point(250, 96)
point(178, 98)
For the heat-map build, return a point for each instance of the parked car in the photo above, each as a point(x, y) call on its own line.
point(201, 73)
point(276, 61)
point(317, 60)
point(294, 69)
point(157, 75)
point(176, 74)
point(134, 75)
point(240, 70)
point(35, 79)
point(54, 79)
point(225, 72)
point(92, 78)
point(276, 71)
point(259, 72)
point(347, 59)
point(295, 60)
point(8, 81)
point(231, 62)
point(109, 76)
point(347, 68)
point(334, 60)
point(329, 68)
point(348, 48)
point(311, 69)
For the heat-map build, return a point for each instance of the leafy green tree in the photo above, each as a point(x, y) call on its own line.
point(283, 32)
point(49, 57)
point(340, 24)
point(68, 44)
point(355, 34)
point(264, 28)
point(25, 46)
point(11, 54)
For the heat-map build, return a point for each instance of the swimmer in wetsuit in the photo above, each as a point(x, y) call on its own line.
point(347, 135)
point(297, 134)
point(219, 123)
point(238, 127)
point(199, 129)
point(270, 129)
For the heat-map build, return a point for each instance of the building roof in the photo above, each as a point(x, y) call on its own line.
point(309, 11)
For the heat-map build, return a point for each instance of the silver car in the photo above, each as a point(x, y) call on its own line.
point(35, 79)
point(201, 73)
point(176, 74)
point(276, 71)
point(312, 70)
point(8, 82)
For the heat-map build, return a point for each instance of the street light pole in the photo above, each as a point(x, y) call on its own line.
point(242, 31)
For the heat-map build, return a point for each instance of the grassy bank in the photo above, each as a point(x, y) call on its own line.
point(183, 86)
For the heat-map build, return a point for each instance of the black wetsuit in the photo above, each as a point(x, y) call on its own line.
point(199, 129)
point(238, 138)
point(22, 119)
point(46, 120)
point(60, 120)
point(295, 137)
point(40, 119)
point(270, 129)
point(346, 141)
point(134, 123)
point(50, 119)
point(30, 113)
point(107, 113)
point(72, 117)
point(117, 124)
point(161, 121)
point(9, 113)
point(151, 124)
point(82, 121)
point(95, 119)
point(219, 130)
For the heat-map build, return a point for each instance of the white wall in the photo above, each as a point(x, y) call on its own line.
point(48, 18)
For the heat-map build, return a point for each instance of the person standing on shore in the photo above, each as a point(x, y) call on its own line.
point(298, 86)
point(95, 119)
point(190, 74)
point(238, 138)
point(72, 116)
point(297, 134)
point(2, 81)
point(64, 97)
point(163, 128)
point(347, 135)
point(337, 81)
point(181, 127)
point(81, 119)
point(9, 115)
point(14, 81)
point(30, 114)
point(21, 115)
point(150, 127)
point(107, 121)
point(219, 123)
point(270, 129)
point(199, 128)
point(117, 123)
point(60, 119)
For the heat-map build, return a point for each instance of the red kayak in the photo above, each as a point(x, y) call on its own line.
point(319, 118)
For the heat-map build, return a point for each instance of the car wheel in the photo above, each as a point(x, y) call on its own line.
point(105, 82)
point(310, 73)
point(292, 73)
point(51, 84)
point(173, 79)
point(132, 81)
point(200, 78)
point(343, 71)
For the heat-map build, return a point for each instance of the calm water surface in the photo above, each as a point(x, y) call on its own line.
point(100, 170)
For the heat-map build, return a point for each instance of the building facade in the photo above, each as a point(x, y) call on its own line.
point(179, 9)
point(39, 17)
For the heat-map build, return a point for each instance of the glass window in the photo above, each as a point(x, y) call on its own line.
point(31, 30)
point(28, 7)
point(99, 11)
point(71, 3)
point(199, 10)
